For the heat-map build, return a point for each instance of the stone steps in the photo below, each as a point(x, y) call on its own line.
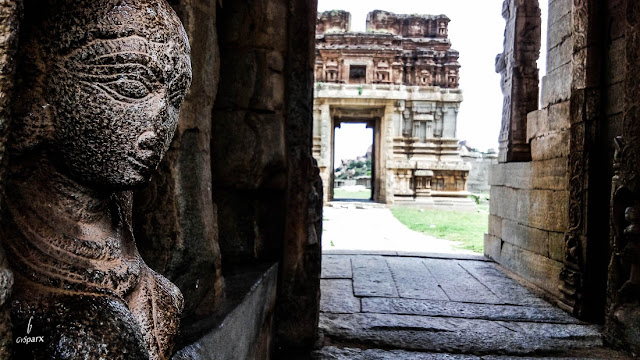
point(392, 307)
point(337, 353)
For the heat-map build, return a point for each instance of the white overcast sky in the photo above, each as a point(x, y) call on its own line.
point(476, 31)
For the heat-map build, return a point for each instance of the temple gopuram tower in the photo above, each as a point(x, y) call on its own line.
point(400, 77)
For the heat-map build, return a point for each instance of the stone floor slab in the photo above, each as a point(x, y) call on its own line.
point(336, 267)
point(334, 353)
point(458, 284)
point(455, 309)
point(413, 280)
point(432, 334)
point(372, 277)
point(507, 289)
point(337, 296)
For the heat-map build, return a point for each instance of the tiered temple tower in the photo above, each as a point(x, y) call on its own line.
point(401, 78)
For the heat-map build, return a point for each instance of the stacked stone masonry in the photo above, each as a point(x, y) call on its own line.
point(401, 78)
point(566, 217)
point(529, 213)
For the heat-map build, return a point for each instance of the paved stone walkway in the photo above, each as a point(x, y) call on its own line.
point(384, 307)
point(372, 227)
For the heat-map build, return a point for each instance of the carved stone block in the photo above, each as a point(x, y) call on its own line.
point(101, 85)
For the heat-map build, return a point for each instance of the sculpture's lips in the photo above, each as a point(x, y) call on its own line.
point(139, 164)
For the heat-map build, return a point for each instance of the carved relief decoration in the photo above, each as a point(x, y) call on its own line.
point(623, 310)
point(582, 120)
point(101, 87)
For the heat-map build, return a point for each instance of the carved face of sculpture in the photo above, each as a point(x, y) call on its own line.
point(114, 88)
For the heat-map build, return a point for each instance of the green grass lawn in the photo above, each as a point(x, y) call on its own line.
point(339, 193)
point(467, 227)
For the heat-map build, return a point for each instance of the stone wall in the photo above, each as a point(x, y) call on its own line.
point(529, 200)
point(479, 164)
point(552, 233)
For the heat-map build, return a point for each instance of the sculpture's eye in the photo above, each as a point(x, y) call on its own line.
point(133, 89)
point(178, 88)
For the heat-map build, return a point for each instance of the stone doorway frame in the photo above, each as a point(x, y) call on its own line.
point(372, 117)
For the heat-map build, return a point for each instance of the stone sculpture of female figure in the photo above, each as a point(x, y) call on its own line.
point(99, 88)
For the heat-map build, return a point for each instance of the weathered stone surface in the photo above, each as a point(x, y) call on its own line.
point(551, 174)
point(492, 247)
point(245, 331)
point(449, 335)
point(556, 246)
point(336, 267)
point(413, 280)
point(504, 287)
point(536, 120)
point(450, 256)
point(334, 21)
point(540, 270)
point(360, 252)
point(515, 175)
point(616, 58)
point(299, 290)
point(559, 30)
point(372, 277)
point(560, 54)
point(558, 9)
point(256, 157)
point(495, 226)
point(457, 283)
point(455, 309)
point(519, 77)
point(502, 202)
point(550, 146)
point(334, 353)
point(101, 85)
point(555, 87)
point(548, 209)
point(337, 297)
point(615, 101)
point(553, 119)
point(528, 238)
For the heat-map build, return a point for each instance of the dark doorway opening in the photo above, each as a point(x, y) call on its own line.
point(353, 161)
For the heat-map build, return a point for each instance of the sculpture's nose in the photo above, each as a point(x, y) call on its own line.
point(147, 140)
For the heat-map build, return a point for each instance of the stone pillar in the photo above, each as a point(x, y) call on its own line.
point(297, 310)
point(519, 76)
point(582, 275)
point(326, 149)
point(450, 116)
point(175, 220)
point(623, 293)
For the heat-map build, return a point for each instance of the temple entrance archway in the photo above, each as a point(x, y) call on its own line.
point(353, 160)
point(371, 117)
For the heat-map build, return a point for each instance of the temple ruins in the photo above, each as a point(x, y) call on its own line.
point(400, 77)
point(163, 167)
